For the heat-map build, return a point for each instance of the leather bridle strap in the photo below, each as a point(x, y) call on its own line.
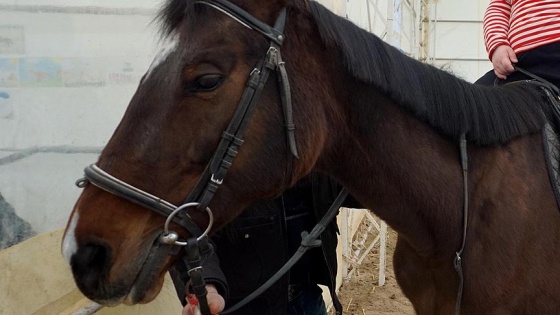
point(544, 82)
point(232, 137)
point(244, 18)
point(222, 159)
point(194, 261)
point(105, 181)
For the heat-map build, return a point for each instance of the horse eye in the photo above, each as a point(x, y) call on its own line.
point(207, 83)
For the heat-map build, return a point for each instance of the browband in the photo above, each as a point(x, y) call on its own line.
point(241, 16)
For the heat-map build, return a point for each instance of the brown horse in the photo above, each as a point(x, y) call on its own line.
point(385, 126)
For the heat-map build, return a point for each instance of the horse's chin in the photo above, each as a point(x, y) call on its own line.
point(147, 286)
point(141, 297)
point(149, 281)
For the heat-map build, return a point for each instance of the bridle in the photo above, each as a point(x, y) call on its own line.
point(197, 247)
point(232, 138)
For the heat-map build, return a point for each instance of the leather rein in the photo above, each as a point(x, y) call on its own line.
point(198, 247)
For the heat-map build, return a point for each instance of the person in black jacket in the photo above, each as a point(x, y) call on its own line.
point(258, 243)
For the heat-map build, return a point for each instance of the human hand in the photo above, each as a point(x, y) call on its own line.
point(503, 59)
point(215, 301)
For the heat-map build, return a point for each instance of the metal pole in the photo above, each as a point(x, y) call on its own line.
point(397, 24)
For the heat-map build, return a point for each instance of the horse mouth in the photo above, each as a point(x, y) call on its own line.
point(149, 280)
point(138, 281)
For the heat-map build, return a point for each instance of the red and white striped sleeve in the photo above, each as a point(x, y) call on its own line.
point(534, 23)
point(496, 25)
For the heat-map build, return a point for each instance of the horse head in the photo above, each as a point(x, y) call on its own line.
point(215, 58)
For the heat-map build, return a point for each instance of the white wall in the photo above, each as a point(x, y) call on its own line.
point(137, 4)
point(70, 69)
point(458, 38)
point(92, 64)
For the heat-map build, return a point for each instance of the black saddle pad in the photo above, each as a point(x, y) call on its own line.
point(551, 140)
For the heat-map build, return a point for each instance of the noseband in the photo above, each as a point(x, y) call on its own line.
point(232, 138)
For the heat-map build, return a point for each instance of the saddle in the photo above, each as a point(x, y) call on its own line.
point(551, 129)
point(551, 143)
point(551, 132)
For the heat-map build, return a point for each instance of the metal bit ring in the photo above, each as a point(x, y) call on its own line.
point(171, 237)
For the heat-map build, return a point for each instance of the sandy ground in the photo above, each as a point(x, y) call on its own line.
point(363, 296)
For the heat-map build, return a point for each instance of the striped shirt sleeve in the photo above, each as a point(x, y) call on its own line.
point(496, 25)
point(521, 24)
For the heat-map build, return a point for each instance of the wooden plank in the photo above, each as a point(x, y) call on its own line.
point(35, 279)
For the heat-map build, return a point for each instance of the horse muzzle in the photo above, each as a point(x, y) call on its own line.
point(108, 280)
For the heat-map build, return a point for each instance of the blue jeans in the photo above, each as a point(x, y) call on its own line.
point(309, 302)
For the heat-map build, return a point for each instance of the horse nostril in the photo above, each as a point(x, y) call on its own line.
point(89, 265)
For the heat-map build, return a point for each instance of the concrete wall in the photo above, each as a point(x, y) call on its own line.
point(68, 69)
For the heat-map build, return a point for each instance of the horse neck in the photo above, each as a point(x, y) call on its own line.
point(393, 164)
point(399, 168)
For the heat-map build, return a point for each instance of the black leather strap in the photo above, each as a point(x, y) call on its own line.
point(115, 186)
point(272, 33)
point(194, 261)
point(232, 137)
point(457, 262)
